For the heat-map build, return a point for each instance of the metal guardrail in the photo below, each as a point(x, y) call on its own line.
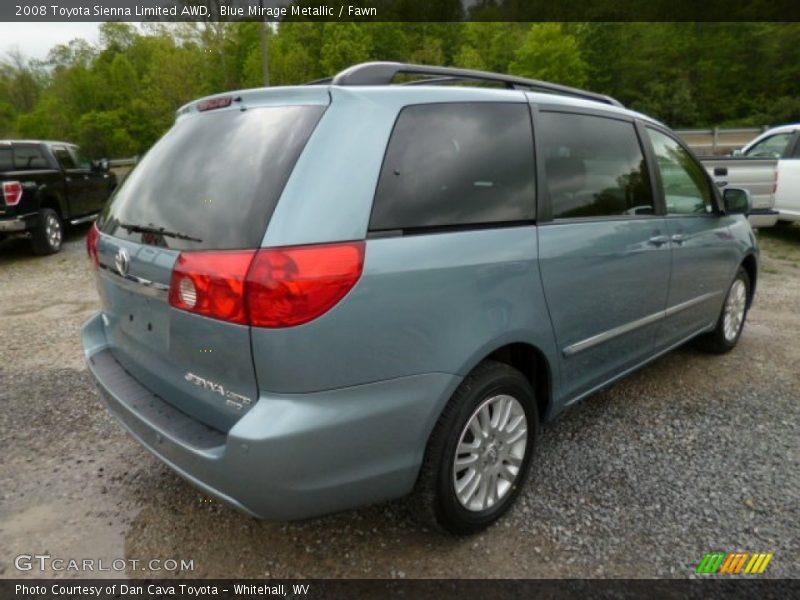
point(717, 141)
point(123, 162)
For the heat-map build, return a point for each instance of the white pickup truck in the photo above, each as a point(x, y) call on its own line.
point(769, 167)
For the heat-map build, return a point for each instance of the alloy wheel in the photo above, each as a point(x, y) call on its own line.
point(735, 306)
point(490, 452)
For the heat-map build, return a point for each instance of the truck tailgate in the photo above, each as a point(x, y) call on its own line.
point(758, 175)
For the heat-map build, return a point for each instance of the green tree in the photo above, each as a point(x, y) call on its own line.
point(344, 44)
point(496, 43)
point(295, 53)
point(550, 54)
point(469, 58)
point(104, 134)
point(119, 96)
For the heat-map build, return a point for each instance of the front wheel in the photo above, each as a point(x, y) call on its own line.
point(47, 237)
point(480, 450)
point(731, 320)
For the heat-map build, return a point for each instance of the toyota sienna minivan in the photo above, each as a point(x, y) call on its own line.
point(324, 296)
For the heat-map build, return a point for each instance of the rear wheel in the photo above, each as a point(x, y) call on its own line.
point(47, 237)
point(479, 453)
point(731, 320)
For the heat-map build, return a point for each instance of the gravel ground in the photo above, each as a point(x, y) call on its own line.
point(692, 454)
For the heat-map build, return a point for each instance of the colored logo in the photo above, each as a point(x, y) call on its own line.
point(735, 563)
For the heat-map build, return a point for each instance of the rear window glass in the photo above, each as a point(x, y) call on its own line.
point(456, 164)
point(6, 159)
point(594, 166)
point(29, 157)
point(214, 177)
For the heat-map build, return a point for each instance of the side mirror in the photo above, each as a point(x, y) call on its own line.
point(737, 153)
point(101, 165)
point(737, 201)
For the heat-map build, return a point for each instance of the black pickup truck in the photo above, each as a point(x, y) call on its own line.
point(47, 185)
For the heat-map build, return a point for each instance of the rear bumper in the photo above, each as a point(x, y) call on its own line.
point(291, 456)
point(763, 217)
point(788, 215)
point(17, 224)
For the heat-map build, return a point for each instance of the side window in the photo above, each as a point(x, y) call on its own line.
point(79, 158)
point(687, 189)
point(796, 153)
point(456, 164)
point(63, 157)
point(771, 147)
point(29, 157)
point(594, 166)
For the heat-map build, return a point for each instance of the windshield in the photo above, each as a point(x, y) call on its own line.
point(213, 179)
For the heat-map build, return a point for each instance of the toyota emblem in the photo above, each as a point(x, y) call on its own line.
point(122, 261)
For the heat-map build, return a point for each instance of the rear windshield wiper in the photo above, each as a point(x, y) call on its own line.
point(130, 228)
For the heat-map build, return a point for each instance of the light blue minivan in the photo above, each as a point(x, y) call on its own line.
point(319, 297)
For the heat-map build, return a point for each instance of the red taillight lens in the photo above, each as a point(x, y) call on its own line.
point(274, 287)
point(212, 283)
point(291, 286)
point(12, 192)
point(92, 239)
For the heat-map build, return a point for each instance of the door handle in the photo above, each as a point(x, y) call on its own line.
point(721, 184)
point(86, 177)
point(678, 238)
point(67, 179)
point(658, 240)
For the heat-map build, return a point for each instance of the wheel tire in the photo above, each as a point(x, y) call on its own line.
point(48, 236)
point(782, 223)
point(435, 499)
point(726, 333)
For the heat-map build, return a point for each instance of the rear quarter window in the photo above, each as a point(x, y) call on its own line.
point(456, 164)
point(215, 177)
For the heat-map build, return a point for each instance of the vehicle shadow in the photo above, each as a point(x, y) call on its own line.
point(785, 233)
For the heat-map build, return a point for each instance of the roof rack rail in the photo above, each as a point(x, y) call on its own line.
point(383, 73)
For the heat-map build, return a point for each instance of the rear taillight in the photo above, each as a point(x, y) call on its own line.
point(211, 283)
point(291, 286)
point(12, 192)
point(92, 238)
point(273, 287)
